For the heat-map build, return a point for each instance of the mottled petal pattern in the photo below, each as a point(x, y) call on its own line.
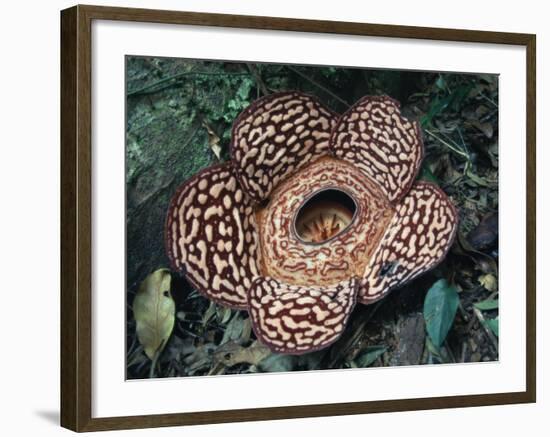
point(296, 319)
point(374, 136)
point(211, 236)
point(417, 238)
point(277, 135)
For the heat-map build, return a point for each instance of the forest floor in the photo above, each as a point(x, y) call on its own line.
point(179, 116)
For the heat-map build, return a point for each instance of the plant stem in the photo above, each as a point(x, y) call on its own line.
point(318, 85)
point(147, 88)
point(483, 323)
point(259, 82)
point(453, 148)
point(449, 351)
point(489, 100)
point(357, 332)
point(154, 364)
point(155, 359)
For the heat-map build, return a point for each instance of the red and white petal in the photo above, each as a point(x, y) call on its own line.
point(211, 236)
point(297, 319)
point(388, 148)
point(277, 135)
point(418, 237)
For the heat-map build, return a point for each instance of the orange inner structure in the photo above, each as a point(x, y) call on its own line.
point(323, 221)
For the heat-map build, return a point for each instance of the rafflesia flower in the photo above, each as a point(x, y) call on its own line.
point(314, 213)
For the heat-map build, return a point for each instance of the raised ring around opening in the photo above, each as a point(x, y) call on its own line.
point(324, 215)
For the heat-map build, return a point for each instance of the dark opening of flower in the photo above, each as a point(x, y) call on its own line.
point(314, 212)
point(323, 216)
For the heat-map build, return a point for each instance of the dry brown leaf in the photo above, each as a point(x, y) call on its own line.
point(486, 128)
point(201, 358)
point(485, 233)
point(231, 354)
point(213, 140)
point(209, 313)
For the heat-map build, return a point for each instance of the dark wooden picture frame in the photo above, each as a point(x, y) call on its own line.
point(76, 217)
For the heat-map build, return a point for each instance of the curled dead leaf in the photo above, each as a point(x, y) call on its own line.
point(485, 262)
point(154, 312)
point(489, 282)
point(486, 128)
point(213, 140)
point(232, 353)
point(486, 233)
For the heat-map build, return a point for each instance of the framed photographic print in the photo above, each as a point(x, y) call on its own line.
point(337, 216)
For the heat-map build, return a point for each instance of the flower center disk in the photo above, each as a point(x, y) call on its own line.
point(321, 225)
point(325, 215)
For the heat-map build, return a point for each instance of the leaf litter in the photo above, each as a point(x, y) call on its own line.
point(459, 116)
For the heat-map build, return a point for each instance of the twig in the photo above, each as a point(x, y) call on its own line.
point(463, 355)
point(489, 100)
point(258, 78)
point(318, 85)
point(445, 82)
point(464, 147)
point(188, 332)
point(155, 359)
point(449, 351)
point(154, 364)
point(210, 324)
point(131, 348)
point(453, 148)
point(357, 331)
point(135, 356)
point(147, 88)
point(483, 323)
point(461, 138)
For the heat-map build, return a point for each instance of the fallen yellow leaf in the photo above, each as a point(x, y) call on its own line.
point(489, 281)
point(154, 312)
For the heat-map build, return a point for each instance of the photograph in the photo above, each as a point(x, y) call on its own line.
point(292, 217)
point(268, 219)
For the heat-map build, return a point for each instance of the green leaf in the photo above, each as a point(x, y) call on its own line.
point(437, 107)
point(433, 350)
point(223, 314)
point(370, 355)
point(440, 308)
point(486, 305)
point(477, 180)
point(244, 88)
point(493, 325)
point(440, 83)
point(459, 95)
point(209, 313)
point(234, 329)
point(440, 104)
point(426, 174)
